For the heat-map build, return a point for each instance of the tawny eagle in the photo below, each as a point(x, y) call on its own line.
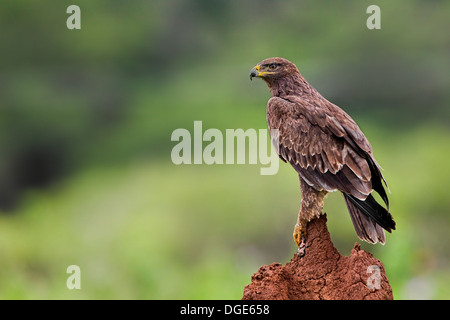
point(326, 148)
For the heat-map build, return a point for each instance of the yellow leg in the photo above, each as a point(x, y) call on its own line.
point(300, 236)
point(310, 207)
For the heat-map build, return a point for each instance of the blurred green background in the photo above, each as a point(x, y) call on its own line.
point(86, 118)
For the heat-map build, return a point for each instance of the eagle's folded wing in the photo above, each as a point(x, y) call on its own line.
point(324, 145)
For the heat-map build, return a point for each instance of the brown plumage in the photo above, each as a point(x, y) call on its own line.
point(326, 148)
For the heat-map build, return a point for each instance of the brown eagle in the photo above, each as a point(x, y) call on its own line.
point(326, 148)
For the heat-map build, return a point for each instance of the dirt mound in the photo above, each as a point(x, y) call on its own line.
point(322, 274)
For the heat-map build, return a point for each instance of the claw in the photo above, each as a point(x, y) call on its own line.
point(299, 234)
point(301, 249)
point(300, 239)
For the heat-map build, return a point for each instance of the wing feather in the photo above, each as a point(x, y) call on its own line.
point(323, 144)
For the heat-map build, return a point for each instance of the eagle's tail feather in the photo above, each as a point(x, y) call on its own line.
point(369, 218)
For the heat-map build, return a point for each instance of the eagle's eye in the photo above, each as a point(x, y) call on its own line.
point(272, 66)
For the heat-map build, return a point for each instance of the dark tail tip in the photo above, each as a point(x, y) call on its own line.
point(372, 209)
point(369, 218)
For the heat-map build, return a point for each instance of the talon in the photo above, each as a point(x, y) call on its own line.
point(300, 238)
point(299, 234)
point(301, 249)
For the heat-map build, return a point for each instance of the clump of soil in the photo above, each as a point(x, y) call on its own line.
point(322, 273)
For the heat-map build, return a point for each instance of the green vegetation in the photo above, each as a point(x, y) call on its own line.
point(87, 115)
point(159, 231)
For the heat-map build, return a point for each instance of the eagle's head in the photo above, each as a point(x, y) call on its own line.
point(272, 69)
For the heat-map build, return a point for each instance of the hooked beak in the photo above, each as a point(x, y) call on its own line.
point(254, 72)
